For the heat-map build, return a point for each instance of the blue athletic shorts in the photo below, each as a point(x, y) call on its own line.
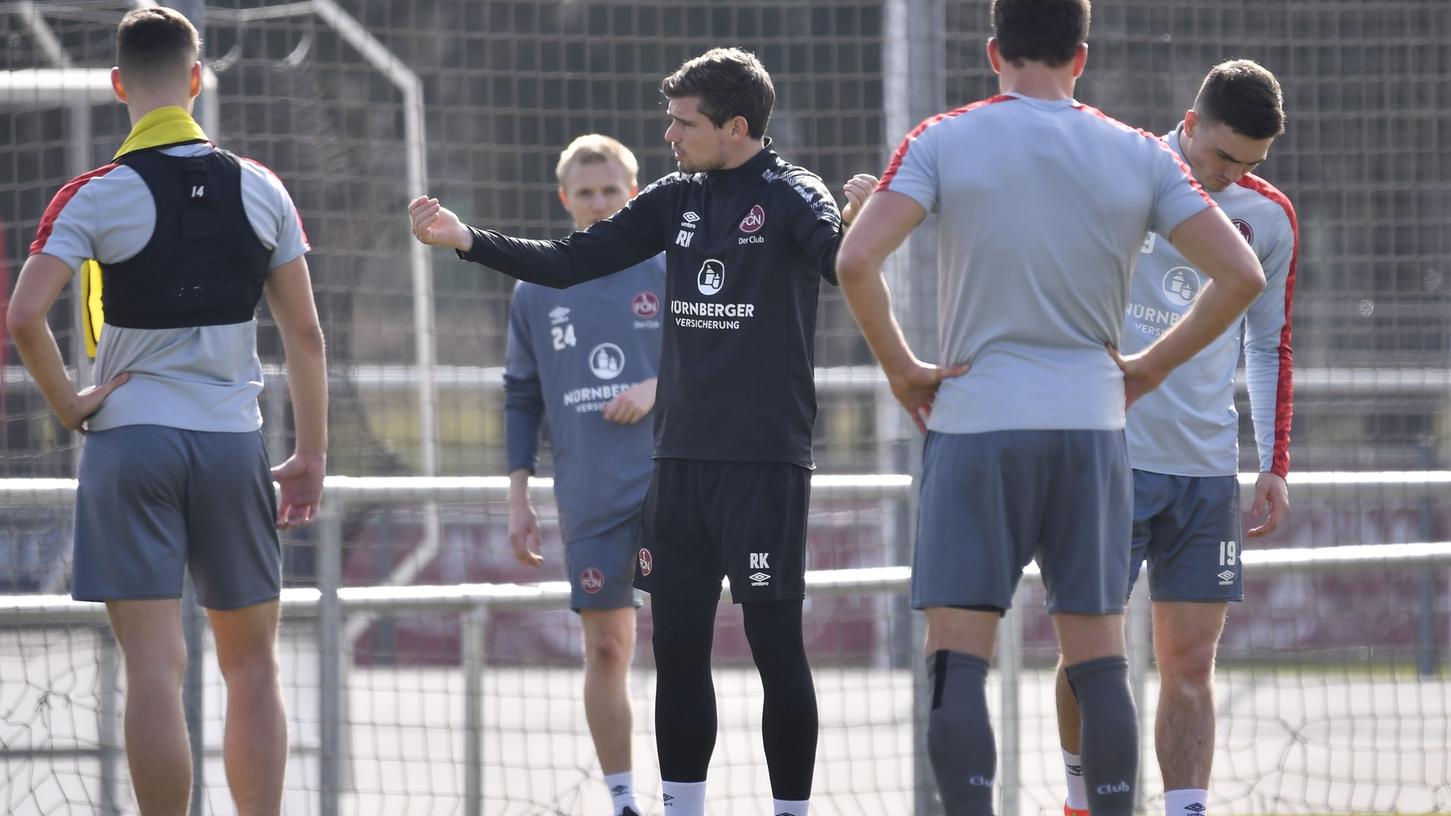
point(1188, 529)
point(602, 568)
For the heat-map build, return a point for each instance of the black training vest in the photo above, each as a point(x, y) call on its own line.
point(204, 264)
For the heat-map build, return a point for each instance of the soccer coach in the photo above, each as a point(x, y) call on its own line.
point(747, 238)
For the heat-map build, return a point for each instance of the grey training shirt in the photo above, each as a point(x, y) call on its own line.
point(1044, 206)
point(201, 378)
point(1188, 426)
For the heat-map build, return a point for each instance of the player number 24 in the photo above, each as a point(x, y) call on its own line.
point(1226, 553)
point(562, 336)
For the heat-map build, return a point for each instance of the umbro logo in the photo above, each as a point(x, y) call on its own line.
point(1196, 807)
point(618, 790)
point(759, 579)
point(1226, 578)
point(559, 314)
point(687, 221)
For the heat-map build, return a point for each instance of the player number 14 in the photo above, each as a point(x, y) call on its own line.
point(1226, 553)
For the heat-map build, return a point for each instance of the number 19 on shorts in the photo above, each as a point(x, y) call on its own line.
point(1227, 553)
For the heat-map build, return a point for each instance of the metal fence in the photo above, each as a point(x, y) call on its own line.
point(337, 608)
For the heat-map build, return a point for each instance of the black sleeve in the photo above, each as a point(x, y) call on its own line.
point(624, 239)
point(815, 223)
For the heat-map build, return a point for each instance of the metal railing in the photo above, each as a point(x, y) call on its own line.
point(331, 604)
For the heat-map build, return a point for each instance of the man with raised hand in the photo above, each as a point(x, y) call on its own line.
point(748, 238)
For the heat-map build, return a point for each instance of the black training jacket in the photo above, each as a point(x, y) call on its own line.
point(745, 251)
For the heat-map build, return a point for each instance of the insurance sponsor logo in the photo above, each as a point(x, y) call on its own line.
point(606, 361)
point(711, 277)
point(1182, 285)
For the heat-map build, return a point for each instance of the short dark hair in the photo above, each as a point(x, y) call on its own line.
point(1046, 31)
point(155, 44)
point(730, 83)
point(1244, 95)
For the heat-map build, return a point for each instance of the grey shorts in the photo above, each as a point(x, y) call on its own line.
point(992, 502)
point(154, 501)
point(1188, 528)
point(602, 568)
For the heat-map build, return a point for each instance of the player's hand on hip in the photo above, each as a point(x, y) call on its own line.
point(1140, 375)
point(915, 386)
point(88, 401)
point(858, 189)
point(632, 404)
point(524, 534)
point(299, 480)
point(1272, 501)
point(436, 225)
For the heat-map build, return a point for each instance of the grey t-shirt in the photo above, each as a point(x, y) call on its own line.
point(1044, 206)
point(201, 378)
point(570, 352)
point(1188, 426)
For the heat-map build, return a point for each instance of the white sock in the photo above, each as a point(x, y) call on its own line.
point(622, 791)
point(683, 798)
point(1073, 771)
point(1186, 802)
point(785, 807)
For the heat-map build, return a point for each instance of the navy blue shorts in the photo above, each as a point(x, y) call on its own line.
point(601, 568)
point(154, 501)
point(1188, 529)
point(745, 521)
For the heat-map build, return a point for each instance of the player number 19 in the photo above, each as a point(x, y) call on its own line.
point(1226, 553)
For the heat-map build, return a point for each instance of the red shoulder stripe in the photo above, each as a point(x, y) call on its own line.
point(1284, 387)
point(901, 151)
point(264, 168)
point(62, 198)
point(1183, 167)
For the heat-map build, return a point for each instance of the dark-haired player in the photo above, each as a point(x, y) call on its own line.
point(1184, 437)
point(748, 238)
point(1043, 206)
